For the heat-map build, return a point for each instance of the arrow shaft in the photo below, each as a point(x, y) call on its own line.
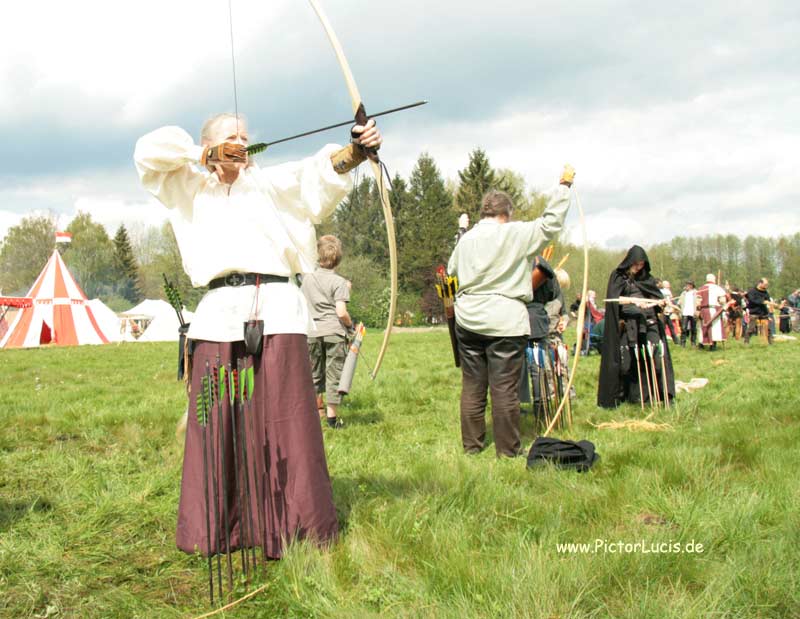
point(262, 145)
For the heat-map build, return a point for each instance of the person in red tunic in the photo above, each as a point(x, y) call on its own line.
point(712, 304)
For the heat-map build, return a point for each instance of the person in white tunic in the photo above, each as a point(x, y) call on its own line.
point(245, 232)
point(688, 305)
point(493, 263)
point(712, 300)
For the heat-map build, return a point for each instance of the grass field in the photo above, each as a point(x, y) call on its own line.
point(90, 470)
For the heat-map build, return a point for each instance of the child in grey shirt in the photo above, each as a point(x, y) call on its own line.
point(327, 293)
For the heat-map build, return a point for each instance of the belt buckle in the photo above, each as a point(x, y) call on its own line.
point(235, 279)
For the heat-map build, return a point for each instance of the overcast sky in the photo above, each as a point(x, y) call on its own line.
point(680, 118)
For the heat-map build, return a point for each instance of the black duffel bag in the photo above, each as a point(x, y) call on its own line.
point(579, 456)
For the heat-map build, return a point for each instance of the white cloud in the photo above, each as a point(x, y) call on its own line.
point(112, 212)
point(111, 197)
point(8, 219)
point(130, 54)
point(721, 162)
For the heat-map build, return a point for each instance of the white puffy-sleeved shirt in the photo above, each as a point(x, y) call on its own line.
point(493, 263)
point(262, 223)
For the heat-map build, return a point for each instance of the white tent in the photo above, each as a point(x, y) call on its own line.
point(160, 318)
point(164, 326)
point(136, 320)
point(150, 308)
point(107, 319)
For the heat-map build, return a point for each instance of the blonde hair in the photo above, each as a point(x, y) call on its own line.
point(329, 249)
point(563, 279)
point(207, 132)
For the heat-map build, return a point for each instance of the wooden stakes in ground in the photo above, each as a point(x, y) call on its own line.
point(639, 376)
point(662, 344)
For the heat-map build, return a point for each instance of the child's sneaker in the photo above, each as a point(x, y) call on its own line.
point(335, 423)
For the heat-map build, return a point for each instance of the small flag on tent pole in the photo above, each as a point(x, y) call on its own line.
point(63, 237)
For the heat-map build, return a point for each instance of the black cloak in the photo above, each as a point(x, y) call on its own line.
point(627, 329)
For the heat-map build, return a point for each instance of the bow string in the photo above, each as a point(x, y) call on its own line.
point(361, 118)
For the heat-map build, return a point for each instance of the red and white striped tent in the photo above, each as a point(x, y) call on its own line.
point(59, 312)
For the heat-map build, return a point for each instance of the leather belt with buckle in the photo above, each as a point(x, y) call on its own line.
point(245, 279)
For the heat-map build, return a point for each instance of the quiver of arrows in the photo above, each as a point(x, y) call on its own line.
point(350, 362)
point(446, 288)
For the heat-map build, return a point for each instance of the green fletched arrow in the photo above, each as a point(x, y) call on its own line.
point(174, 298)
point(232, 386)
point(209, 387)
point(251, 382)
point(222, 381)
point(256, 149)
point(203, 403)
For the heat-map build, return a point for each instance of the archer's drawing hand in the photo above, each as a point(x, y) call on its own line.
point(567, 176)
point(367, 135)
point(226, 152)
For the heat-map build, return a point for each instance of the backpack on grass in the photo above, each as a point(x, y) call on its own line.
point(579, 456)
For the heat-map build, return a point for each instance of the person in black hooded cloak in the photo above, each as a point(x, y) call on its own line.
point(629, 329)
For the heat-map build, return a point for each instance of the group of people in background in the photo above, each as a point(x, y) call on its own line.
point(712, 314)
point(641, 312)
point(636, 365)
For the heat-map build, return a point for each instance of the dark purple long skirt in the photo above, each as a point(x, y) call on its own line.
point(284, 450)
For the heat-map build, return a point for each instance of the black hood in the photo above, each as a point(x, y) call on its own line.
point(635, 254)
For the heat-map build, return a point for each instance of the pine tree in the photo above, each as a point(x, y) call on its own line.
point(475, 180)
point(399, 197)
point(479, 177)
point(358, 222)
point(127, 270)
point(513, 183)
point(427, 225)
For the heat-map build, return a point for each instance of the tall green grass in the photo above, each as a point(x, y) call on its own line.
point(90, 471)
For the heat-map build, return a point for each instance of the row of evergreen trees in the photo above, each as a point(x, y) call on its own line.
point(426, 208)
